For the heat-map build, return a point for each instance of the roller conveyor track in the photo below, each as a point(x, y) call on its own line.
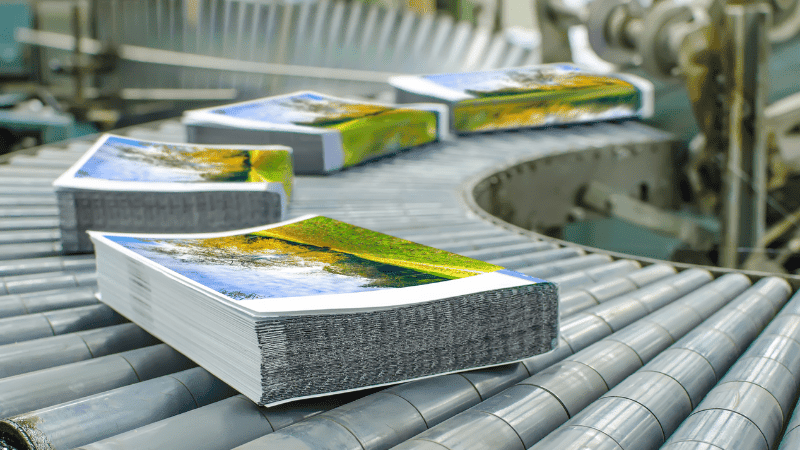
point(643, 358)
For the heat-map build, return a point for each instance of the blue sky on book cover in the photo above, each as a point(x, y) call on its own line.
point(493, 79)
point(367, 130)
point(311, 257)
point(299, 109)
point(125, 159)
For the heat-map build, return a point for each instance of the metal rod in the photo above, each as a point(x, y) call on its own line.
point(180, 59)
point(227, 423)
point(40, 301)
point(54, 351)
point(52, 264)
point(745, 181)
point(35, 390)
point(76, 54)
point(54, 323)
point(108, 413)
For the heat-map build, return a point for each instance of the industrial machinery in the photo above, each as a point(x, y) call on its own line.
point(738, 166)
point(650, 349)
point(121, 62)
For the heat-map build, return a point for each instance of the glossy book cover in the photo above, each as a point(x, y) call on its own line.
point(533, 96)
point(122, 163)
point(367, 129)
point(313, 264)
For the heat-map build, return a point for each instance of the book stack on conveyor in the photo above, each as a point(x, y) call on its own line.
point(532, 96)
point(129, 185)
point(315, 306)
point(326, 133)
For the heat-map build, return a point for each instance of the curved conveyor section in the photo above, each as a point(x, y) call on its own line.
point(642, 361)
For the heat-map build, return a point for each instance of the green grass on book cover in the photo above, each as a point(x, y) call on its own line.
point(125, 159)
point(310, 257)
point(367, 129)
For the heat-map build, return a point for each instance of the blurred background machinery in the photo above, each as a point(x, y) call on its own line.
point(729, 59)
point(139, 60)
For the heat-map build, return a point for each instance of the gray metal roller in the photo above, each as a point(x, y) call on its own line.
point(576, 300)
point(739, 431)
point(605, 287)
point(28, 211)
point(54, 323)
point(13, 172)
point(21, 284)
point(613, 361)
point(89, 419)
point(9, 199)
point(44, 190)
point(437, 235)
point(617, 268)
point(41, 160)
point(751, 401)
point(38, 354)
point(579, 294)
point(50, 300)
point(26, 180)
point(477, 243)
point(769, 374)
point(650, 273)
point(34, 390)
point(226, 424)
point(80, 263)
point(541, 257)
point(34, 200)
point(17, 223)
point(647, 407)
point(562, 266)
point(791, 437)
point(498, 253)
point(15, 251)
point(29, 236)
point(649, 336)
point(621, 311)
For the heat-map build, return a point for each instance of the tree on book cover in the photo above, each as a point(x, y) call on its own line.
point(537, 95)
point(367, 130)
point(311, 257)
point(124, 159)
point(530, 96)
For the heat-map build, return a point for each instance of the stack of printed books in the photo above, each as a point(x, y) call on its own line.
point(128, 185)
point(315, 306)
point(326, 133)
point(529, 96)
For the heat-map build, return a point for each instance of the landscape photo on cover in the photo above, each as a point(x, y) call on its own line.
point(529, 96)
point(125, 159)
point(311, 257)
point(367, 129)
